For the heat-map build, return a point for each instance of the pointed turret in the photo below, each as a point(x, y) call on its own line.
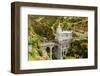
point(59, 30)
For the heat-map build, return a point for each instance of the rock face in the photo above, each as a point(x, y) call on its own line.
point(59, 47)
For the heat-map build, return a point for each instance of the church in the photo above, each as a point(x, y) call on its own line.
point(59, 47)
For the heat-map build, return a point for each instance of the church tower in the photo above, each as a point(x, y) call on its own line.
point(58, 33)
point(59, 30)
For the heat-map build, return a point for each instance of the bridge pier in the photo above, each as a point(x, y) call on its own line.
point(50, 53)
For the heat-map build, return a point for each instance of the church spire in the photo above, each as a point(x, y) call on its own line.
point(59, 28)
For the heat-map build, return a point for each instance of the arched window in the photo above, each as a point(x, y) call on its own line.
point(48, 50)
point(54, 52)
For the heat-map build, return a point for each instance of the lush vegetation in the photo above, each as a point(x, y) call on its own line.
point(40, 27)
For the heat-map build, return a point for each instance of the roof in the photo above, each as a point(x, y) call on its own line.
point(48, 44)
point(66, 32)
